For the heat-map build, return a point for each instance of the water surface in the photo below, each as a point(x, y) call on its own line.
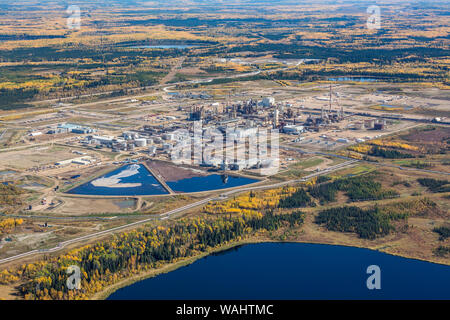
point(210, 182)
point(133, 179)
point(295, 271)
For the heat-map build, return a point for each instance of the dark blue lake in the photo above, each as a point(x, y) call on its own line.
point(133, 179)
point(211, 182)
point(295, 271)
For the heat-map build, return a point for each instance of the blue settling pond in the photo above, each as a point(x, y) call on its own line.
point(133, 179)
point(136, 180)
point(295, 271)
point(210, 182)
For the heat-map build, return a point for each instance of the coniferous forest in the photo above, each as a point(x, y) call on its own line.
point(368, 224)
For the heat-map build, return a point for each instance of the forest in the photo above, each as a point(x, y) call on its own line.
point(10, 196)
point(43, 60)
point(107, 262)
point(443, 232)
point(359, 188)
point(299, 199)
point(14, 98)
point(367, 223)
point(389, 154)
point(383, 56)
point(442, 251)
point(434, 185)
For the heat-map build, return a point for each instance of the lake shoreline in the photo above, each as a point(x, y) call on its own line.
point(104, 294)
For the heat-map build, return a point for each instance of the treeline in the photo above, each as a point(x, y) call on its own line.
point(15, 98)
point(109, 54)
point(435, 185)
point(443, 232)
point(361, 188)
point(418, 164)
point(382, 56)
point(107, 262)
point(388, 153)
point(299, 199)
point(441, 251)
point(8, 224)
point(368, 224)
point(9, 195)
point(324, 192)
point(376, 221)
point(414, 207)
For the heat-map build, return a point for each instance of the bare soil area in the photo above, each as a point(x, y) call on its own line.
point(170, 172)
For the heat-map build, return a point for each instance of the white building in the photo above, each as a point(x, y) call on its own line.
point(169, 136)
point(140, 142)
point(291, 129)
point(82, 160)
point(268, 102)
point(276, 117)
point(103, 139)
point(152, 150)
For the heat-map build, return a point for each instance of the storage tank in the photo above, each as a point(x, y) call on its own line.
point(140, 142)
point(369, 124)
point(169, 136)
point(359, 125)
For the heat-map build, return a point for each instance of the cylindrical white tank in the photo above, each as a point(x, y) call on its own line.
point(140, 142)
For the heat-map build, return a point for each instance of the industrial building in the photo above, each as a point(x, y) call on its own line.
point(81, 160)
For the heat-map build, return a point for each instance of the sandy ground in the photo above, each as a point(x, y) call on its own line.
point(172, 173)
point(323, 165)
point(7, 293)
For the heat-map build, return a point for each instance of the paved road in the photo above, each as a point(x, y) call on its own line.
point(167, 215)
